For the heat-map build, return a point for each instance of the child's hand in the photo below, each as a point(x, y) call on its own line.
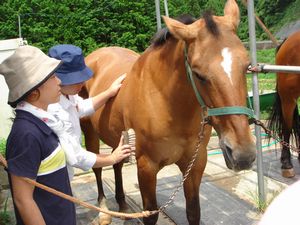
point(116, 85)
point(121, 152)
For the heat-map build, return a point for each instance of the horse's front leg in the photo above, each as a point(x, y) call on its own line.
point(119, 191)
point(191, 187)
point(92, 144)
point(147, 171)
point(103, 219)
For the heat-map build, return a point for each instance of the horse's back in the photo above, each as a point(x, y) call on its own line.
point(108, 64)
point(288, 54)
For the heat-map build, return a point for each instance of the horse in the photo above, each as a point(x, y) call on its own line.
point(284, 117)
point(158, 101)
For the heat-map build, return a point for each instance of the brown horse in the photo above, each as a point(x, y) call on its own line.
point(284, 118)
point(158, 102)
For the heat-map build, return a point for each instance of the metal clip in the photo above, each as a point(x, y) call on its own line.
point(256, 69)
point(204, 114)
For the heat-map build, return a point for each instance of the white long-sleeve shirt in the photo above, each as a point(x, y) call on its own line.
point(70, 110)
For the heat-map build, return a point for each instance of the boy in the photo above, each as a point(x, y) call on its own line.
point(71, 107)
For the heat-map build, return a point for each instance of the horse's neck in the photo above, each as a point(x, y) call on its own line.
point(170, 70)
point(168, 73)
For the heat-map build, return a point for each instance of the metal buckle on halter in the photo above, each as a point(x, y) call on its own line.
point(204, 114)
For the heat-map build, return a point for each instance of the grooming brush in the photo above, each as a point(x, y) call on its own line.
point(129, 138)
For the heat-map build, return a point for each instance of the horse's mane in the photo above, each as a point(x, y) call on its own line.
point(210, 23)
point(163, 35)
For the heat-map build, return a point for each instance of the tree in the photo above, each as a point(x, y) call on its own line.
point(91, 24)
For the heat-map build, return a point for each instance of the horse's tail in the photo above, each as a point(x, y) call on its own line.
point(296, 125)
point(276, 121)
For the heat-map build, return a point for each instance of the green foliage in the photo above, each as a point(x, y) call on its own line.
point(5, 217)
point(2, 146)
point(87, 23)
point(290, 14)
point(127, 23)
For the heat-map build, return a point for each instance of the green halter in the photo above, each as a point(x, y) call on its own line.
point(214, 111)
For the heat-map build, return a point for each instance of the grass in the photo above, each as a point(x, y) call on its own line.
point(5, 217)
point(263, 205)
point(266, 81)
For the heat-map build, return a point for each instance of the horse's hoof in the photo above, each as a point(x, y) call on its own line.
point(105, 219)
point(288, 173)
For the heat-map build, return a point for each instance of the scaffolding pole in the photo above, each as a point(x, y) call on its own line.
point(166, 8)
point(157, 9)
point(255, 89)
point(265, 68)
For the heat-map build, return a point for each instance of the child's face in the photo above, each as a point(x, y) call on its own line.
point(50, 91)
point(72, 89)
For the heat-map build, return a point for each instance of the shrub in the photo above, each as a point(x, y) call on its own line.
point(2, 146)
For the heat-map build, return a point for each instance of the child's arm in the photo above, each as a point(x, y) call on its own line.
point(102, 98)
point(23, 198)
point(121, 152)
point(86, 107)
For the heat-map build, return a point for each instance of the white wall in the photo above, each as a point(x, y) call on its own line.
point(5, 110)
point(7, 47)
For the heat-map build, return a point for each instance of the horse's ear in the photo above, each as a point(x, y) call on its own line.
point(232, 13)
point(180, 30)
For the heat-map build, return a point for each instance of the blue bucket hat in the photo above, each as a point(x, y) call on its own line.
point(73, 70)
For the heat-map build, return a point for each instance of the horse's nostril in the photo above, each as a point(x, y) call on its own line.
point(243, 161)
point(243, 165)
point(229, 151)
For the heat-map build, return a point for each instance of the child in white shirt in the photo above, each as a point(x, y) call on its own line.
point(71, 107)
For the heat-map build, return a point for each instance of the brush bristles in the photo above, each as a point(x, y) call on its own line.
point(129, 137)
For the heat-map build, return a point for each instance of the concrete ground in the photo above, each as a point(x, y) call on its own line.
point(227, 198)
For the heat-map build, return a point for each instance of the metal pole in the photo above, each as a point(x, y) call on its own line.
point(166, 8)
point(19, 24)
point(157, 8)
point(255, 89)
point(276, 68)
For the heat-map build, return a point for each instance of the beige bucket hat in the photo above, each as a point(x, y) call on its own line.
point(25, 70)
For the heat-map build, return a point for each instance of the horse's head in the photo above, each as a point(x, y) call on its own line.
point(219, 62)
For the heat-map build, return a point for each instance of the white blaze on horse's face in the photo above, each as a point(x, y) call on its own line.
point(227, 62)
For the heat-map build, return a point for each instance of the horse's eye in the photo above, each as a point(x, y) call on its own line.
point(200, 77)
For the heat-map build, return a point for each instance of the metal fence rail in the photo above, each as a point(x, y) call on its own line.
point(265, 68)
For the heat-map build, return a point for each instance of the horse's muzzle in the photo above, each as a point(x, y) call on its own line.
point(238, 158)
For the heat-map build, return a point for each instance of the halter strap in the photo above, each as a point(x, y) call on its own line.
point(213, 111)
